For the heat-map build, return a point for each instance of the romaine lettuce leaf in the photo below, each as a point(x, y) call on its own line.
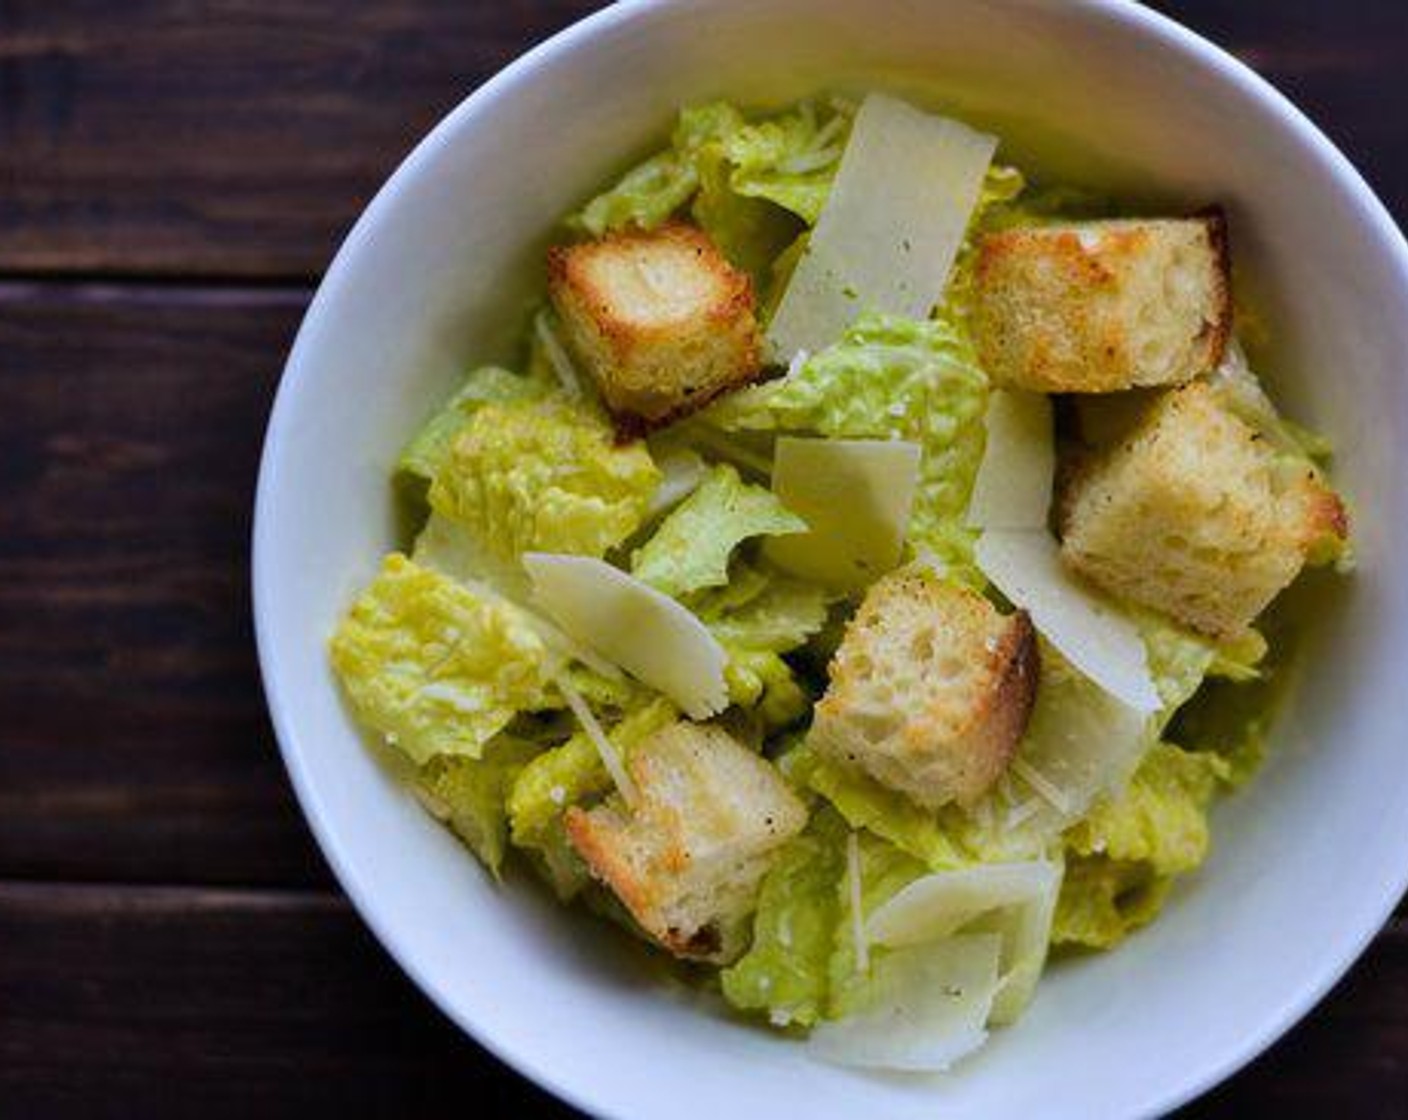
point(1160, 818)
point(691, 548)
point(884, 870)
point(573, 773)
point(1123, 857)
point(1103, 900)
point(761, 681)
point(761, 609)
point(469, 794)
point(752, 182)
point(889, 378)
point(544, 476)
point(785, 972)
point(433, 667)
point(866, 804)
point(430, 447)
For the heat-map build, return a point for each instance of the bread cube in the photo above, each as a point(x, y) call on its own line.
point(930, 690)
point(1102, 306)
point(688, 859)
point(661, 321)
point(1194, 514)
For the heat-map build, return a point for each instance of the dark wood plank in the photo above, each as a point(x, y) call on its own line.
point(231, 137)
point(134, 743)
point(154, 1002)
point(242, 137)
point(1339, 62)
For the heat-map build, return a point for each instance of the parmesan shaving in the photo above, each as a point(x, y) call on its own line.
point(557, 356)
point(604, 747)
point(862, 947)
point(1042, 785)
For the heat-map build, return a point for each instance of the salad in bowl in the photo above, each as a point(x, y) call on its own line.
point(864, 586)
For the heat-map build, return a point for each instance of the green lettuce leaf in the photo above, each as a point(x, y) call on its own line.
point(691, 548)
point(762, 609)
point(430, 446)
point(752, 182)
point(785, 972)
point(761, 681)
point(433, 667)
point(1123, 857)
point(1161, 816)
point(545, 476)
point(884, 870)
point(573, 773)
point(887, 378)
point(866, 804)
point(469, 794)
point(1180, 660)
point(1102, 901)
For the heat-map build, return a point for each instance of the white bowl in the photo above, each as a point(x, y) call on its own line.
point(435, 276)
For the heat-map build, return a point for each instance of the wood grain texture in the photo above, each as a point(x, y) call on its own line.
point(134, 743)
point(242, 137)
point(153, 1002)
point(157, 1002)
point(228, 137)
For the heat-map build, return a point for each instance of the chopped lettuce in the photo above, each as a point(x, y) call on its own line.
point(1124, 855)
point(430, 447)
point(752, 182)
point(691, 548)
point(883, 870)
point(573, 773)
point(889, 378)
point(546, 476)
point(469, 794)
point(433, 667)
point(785, 971)
point(1103, 901)
point(1160, 818)
point(760, 680)
point(867, 804)
point(763, 610)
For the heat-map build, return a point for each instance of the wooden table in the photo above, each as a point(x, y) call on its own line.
point(174, 175)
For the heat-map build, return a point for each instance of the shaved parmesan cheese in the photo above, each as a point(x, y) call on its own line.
point(1099, 641)
point(605, 748)
point(1080, 743)
point(1013, 487)
point(853, 884)
point(557, 355)
point(892, 225)
point(1042, 785)
point(681, 471)
point(926, 1007)
point(1014, 900)
point(854, 495)
point(632, 625)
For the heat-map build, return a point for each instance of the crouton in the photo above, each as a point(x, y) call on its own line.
point(1103, 306)
point(688, 859)
point(1194, 514)
point(662, 322)
point(930, 690)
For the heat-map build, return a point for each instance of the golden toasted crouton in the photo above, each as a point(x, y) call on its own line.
point(1194, 514)
point(688, 859)
point(1103, 306)
point(930, 689)
point(661, 321)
